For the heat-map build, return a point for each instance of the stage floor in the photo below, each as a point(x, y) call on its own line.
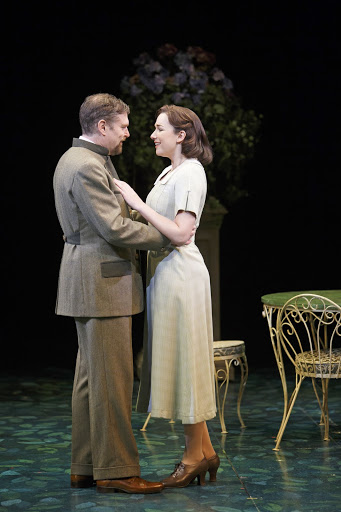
point(305, 475)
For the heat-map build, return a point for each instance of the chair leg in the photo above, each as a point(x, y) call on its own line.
point(221, 402)
point(324, 419)
point(318, 400)
point(143, 429)
point(244, 371)
point(325, 412)
point(286, 417)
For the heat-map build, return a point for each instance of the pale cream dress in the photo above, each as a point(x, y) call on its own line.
point(178, 369)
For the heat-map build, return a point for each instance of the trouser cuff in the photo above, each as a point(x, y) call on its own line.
point(81, 469)
point(116, 472)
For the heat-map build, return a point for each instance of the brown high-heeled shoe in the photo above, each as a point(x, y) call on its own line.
point(184, 474)
point(213, 465)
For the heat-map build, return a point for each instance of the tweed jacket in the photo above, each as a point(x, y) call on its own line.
point(99, 269)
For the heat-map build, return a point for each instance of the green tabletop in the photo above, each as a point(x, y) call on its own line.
point(279, 299)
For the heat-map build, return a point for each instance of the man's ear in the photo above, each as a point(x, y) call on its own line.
point(101, 125)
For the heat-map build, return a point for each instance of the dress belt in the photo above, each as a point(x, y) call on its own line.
point(74, 239)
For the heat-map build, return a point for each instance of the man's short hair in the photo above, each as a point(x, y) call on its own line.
point(100, 106)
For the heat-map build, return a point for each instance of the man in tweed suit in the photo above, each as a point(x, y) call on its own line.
point(99, 285)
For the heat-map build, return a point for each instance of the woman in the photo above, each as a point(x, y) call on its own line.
point(178, 369)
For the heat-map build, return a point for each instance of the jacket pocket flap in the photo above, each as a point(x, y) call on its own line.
point(115, 268)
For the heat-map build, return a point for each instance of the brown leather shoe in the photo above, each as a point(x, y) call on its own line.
point(82, 481)
point(133, 485)
point(184, 474)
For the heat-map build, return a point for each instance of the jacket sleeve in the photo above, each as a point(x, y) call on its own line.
point(102, 208)
point(135, 215)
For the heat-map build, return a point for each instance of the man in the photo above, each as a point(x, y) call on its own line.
point(100, 287)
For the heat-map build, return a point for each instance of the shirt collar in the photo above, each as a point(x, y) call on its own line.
point(96, 148)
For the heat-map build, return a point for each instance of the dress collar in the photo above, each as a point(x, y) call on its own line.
point(167, 173)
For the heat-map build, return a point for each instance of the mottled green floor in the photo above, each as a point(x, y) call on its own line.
point(305, 475)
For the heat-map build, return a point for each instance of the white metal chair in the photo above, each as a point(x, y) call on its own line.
point(309, 330)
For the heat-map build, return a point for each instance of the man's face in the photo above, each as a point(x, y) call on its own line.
point(117, 133)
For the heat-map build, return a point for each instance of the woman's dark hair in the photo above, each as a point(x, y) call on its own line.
point(195, 144)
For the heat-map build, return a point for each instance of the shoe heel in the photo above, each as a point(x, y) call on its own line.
point(201, 478)
point(213, 466)
point(81, 482)
point(213, 474)
point(106, 489)
point(79, 485)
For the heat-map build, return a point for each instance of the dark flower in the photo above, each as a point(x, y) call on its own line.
point(217, 75)
point(167, 50)
point(196, 98)
point(198, 81)
point(178, 97)
point(227, 84)
point(179, 78)
point(201, 56)
point(153, 83)
point(135, 91)
point(142, 59)
point(184, 62)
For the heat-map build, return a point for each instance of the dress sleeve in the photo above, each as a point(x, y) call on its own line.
point(190, 190)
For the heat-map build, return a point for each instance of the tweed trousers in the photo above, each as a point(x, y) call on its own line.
point(103, 444)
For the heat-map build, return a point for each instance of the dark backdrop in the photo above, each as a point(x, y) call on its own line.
point(284, 62)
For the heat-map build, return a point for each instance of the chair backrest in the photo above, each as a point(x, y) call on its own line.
point(309, 329)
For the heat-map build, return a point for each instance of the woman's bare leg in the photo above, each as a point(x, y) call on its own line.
point(197, 443)
point(207, 447)
point(193, 453)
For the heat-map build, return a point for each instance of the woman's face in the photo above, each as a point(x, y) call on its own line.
point(164, 137)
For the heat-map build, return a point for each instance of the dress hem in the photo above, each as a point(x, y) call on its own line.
point(184, 419)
